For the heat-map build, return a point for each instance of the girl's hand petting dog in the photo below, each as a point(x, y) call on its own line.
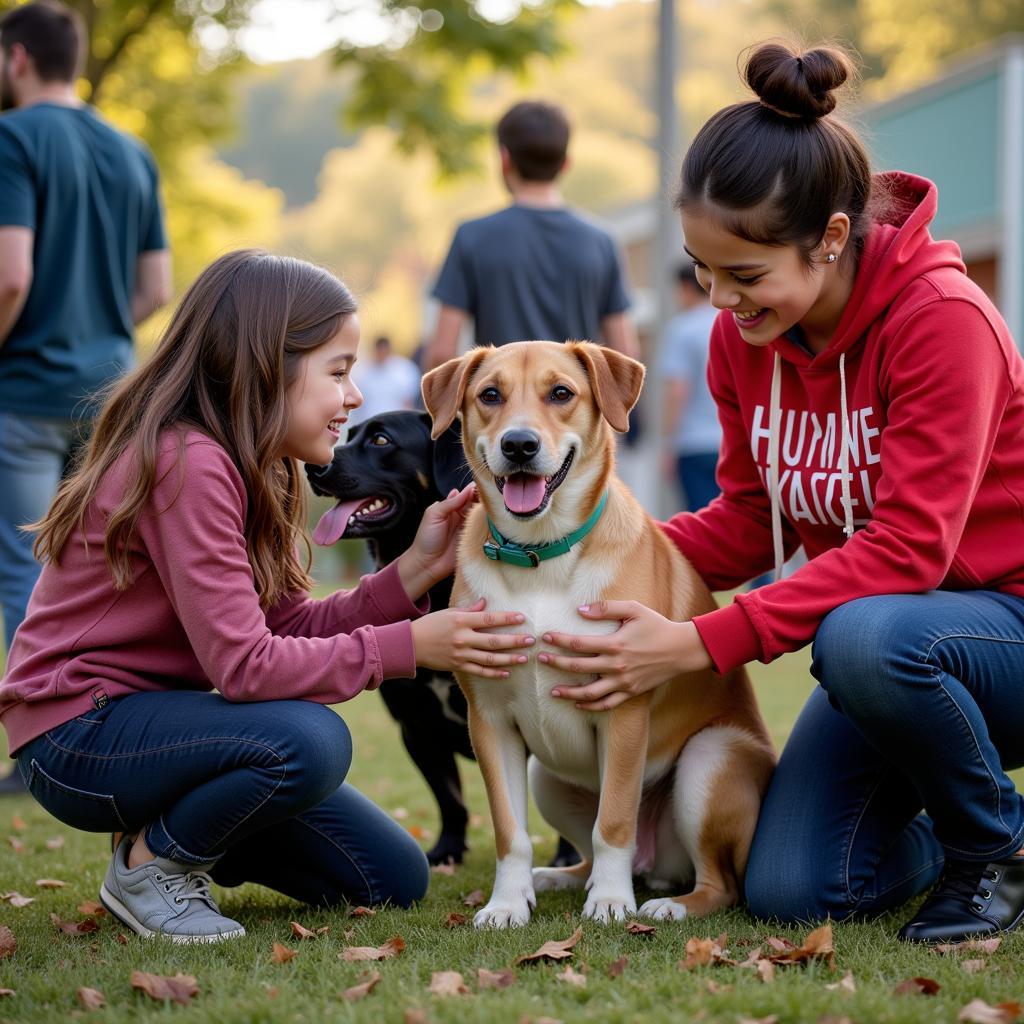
point(431, 558)
point(641, 654)
point(453, 640)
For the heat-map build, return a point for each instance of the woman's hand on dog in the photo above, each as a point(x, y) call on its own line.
point(431, 558)
point(645, 651)
point(454, 640)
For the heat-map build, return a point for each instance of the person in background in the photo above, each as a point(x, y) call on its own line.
point(83, 259)
point(535, 270)
point(389, 381)
point(691, 433)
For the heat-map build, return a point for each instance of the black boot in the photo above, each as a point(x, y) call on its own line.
point(13, 784)
point(970, 900)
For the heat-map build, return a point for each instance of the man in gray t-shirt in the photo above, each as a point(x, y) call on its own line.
point(535, 270)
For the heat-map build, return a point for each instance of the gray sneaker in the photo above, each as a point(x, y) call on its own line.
point(164, 897)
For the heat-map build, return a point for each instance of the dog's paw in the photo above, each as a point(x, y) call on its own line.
point(665, 909)
point(550, 879)
point(609, 907)
point(504, 914)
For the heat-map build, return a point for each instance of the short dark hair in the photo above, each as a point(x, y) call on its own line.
point(778, 167)
point(536, 136)
point(53, 36)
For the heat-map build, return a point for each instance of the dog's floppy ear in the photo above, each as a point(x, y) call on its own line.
point(450, 466)
point(444, 388)
point(616, 380)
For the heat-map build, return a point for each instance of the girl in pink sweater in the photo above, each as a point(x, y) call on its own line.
point(170, 679)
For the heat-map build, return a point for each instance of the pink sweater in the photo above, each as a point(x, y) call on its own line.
point(192, 618)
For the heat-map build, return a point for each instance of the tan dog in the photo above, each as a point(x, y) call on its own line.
point(668, 784)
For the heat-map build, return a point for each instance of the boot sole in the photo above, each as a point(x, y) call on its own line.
point(124, 915)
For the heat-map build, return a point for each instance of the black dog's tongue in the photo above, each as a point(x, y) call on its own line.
point(332, 523)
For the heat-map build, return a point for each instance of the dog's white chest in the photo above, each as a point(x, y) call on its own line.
point(560, 735)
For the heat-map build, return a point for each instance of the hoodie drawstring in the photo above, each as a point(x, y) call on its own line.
point(774, 433)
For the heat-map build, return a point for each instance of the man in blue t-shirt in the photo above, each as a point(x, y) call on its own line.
point(535, 270)
point(83, 258)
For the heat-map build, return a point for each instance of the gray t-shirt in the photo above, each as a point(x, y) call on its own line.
point(529, 273)
point(684, 356)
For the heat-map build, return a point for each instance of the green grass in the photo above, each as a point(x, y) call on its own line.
point(239, 982)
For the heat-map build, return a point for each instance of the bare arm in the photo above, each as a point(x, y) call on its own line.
point(15, 275)
point(445, 344)
point(152, 283)
point(619, 333)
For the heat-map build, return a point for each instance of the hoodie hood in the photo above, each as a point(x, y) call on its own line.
point(897, 251)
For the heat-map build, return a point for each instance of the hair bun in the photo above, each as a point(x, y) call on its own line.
point(797, 84)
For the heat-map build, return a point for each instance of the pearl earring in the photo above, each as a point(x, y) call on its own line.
point(831, 258)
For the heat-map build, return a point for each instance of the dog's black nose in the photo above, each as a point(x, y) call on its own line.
point(520, 446)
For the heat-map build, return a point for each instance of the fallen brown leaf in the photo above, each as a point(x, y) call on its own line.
point(765, 971)
point(364, 988)
point(16, 899)
point(571, 977)
point(714, 989)
point(494, 979)
point(846, 984)
point(122, 938)
point(7, 992)
point(282, 954)
point(973, 966)
point(474, 899)
point(7, 942)
point(778, 944)
point(50, 883)
point(55, 844)
point(86, 927)
point(399, 814)
point(390, 949)
point(817, 946)
point(917, 987)
point(971, 946)
point(92, 908)
point(701, 952)
point(455, 920)
point(415, 1015)
point(553, 950)
point(91, 998)
point(301, 932)
point(16, 844)
point(182, 988)
point(447, 983)
point(18, 823)
point(618, 967)
point(977, 1011)
point(637, 928)
point(361, 912)
point(447, 868)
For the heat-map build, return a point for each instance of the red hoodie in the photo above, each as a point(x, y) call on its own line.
point(935, 450)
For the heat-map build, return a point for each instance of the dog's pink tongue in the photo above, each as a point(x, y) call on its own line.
point(333, 522)
point(523, 492)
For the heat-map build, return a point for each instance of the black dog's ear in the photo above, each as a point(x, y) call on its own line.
point(450, 466)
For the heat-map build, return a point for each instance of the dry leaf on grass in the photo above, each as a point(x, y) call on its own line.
point(16, 899)
point(636, 928)
point(18, 824)
point(91, 998)
point(361, 912)
point(415, 1015)
point(714, 989)
point(977, 1011)
point(399, 814)
point(474, 899)
point(122, 938)
point(390, 949)
point(779, 945)
point(7, 942)
point(571, 977)
point(92, 908)
point(447, 983)
point(494, 979)
point(55, 844)
point(50, 883)
point(618, 967)
point(845, 985)
point(300, 932)
point(182, 988)
point(553, 950)
point(7, 992)
point(765, 971)
point(917, 987)
point(455, 920)
point(16, 844)
point(973, 966)
point(447, 868)
point(817, 946)
point(364, 988)
point(970, 946)
point(701, 952)
point(86, 927)
point(282, 954)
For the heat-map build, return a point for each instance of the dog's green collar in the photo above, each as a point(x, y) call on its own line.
point(508, 551)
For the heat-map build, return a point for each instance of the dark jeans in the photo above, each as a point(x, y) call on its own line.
point(921, 706)
point(257, 787)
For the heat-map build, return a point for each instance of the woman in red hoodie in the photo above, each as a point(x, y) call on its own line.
point(872, 402)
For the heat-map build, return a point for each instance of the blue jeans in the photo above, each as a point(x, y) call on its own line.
point(697, 478)
point(920, 707)
point(258, 787)
point(34, 454)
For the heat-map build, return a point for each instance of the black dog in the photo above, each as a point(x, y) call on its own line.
point(384, 477)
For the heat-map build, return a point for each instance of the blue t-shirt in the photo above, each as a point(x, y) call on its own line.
point(90, 196)
point(685, 357)
point(533, 274)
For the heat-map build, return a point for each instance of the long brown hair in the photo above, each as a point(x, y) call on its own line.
point(222, 367)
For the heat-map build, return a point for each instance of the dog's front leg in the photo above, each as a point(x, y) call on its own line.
point(501, 754)
point(622, 749)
